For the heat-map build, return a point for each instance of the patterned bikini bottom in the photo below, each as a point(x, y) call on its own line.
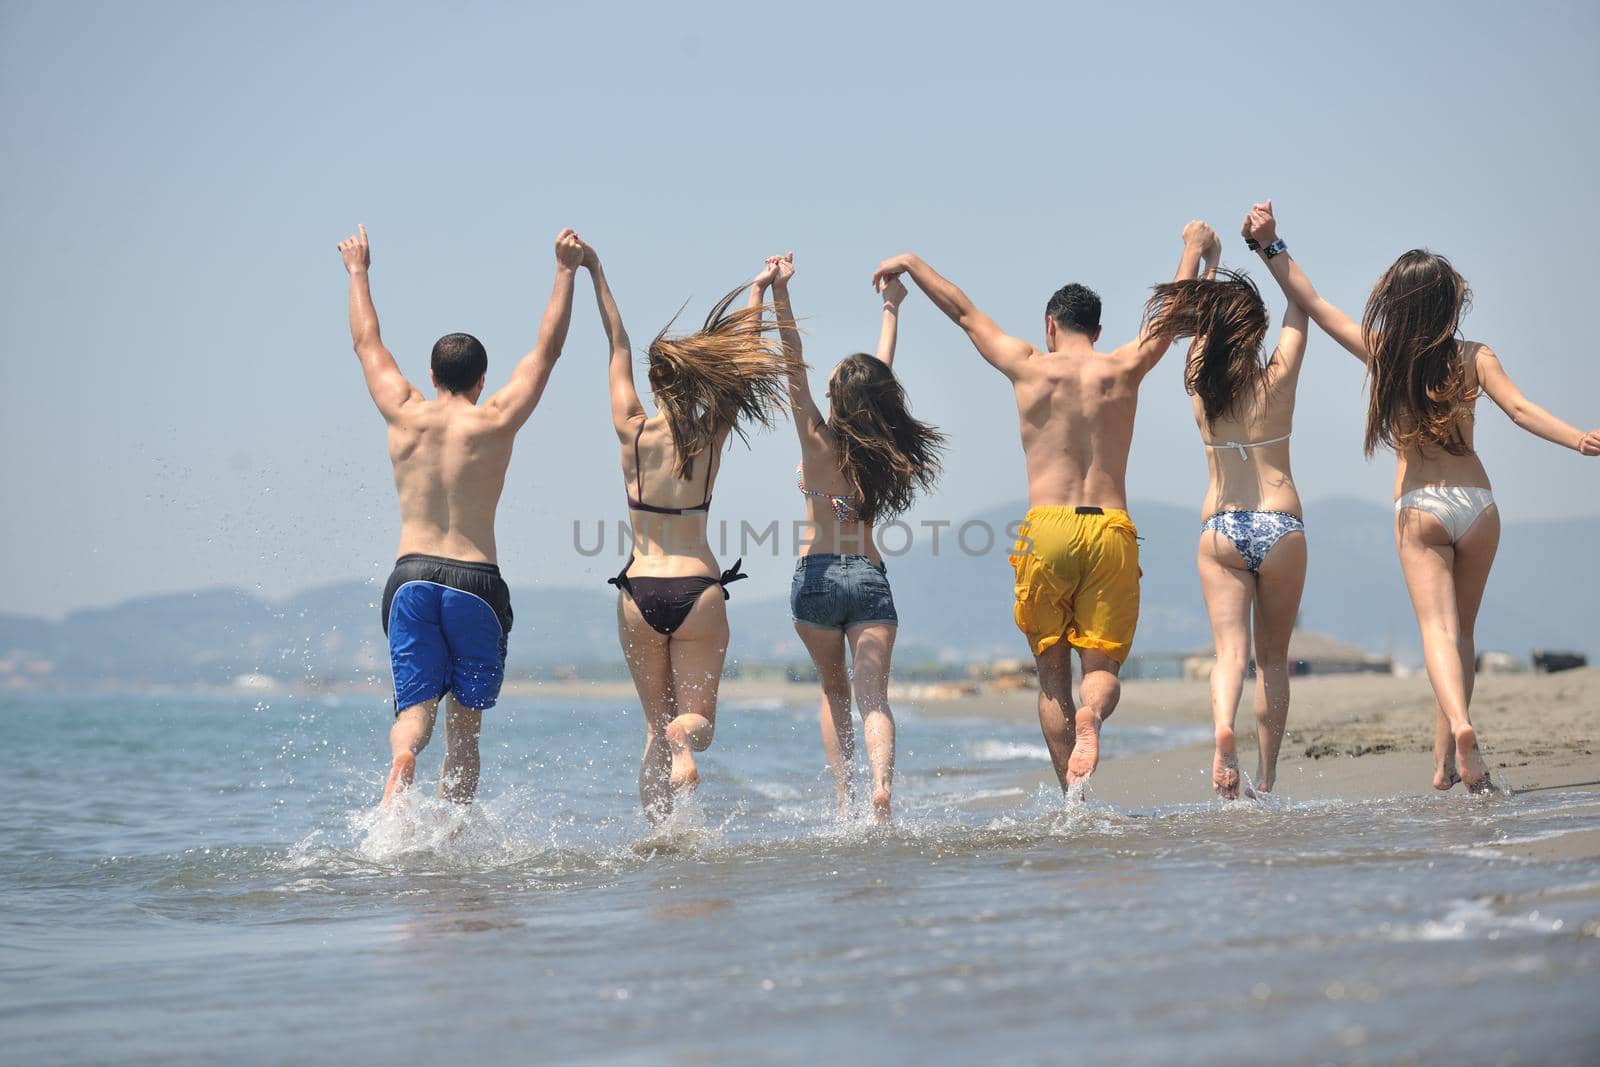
point(1254, 533)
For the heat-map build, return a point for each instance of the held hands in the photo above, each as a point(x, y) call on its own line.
point(354, 251)
point(1198, 235)
point(1260, 225)
point(775, 270)
point(1589, 444)
point(893, 290)
point(571, 252)
point(891, 268)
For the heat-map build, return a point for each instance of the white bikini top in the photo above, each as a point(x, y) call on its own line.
point(1242, 445)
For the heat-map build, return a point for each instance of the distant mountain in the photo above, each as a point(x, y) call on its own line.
point(953, 607)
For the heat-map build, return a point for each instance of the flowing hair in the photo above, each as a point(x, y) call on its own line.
point(1226, 315)
point(726, 374)
point(1419, 383)
point(884, 453)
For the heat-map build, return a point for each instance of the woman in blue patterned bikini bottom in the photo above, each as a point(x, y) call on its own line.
point(1252, 552)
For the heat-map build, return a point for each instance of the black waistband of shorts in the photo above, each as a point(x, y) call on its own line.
point(471, 565)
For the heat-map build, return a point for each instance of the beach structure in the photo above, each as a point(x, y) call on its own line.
point(1309, 653)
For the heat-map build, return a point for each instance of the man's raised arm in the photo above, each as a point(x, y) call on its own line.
point(1005, 353)
point(518, 397)
point(1199, 243)
point(387, 385)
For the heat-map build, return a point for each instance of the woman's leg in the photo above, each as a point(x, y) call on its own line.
point(697, 651)
point(871, 649)
point(1280, 580)
point(838, 732)
point(1475, 553)
point(646, 654)
point(1229, 589)
point(1428, 560)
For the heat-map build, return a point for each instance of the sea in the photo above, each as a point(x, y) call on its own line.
point(204, 879)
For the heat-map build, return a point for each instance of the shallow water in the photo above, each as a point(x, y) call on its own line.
point(192, 880)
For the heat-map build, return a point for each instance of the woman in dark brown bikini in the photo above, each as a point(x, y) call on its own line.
point(671, 619)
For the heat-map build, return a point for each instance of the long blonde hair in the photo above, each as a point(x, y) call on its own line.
point(731, 372)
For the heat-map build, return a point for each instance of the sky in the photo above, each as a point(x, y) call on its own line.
point(182, 409)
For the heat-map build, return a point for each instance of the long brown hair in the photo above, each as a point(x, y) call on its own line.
point(730, 372)
point(1227, 316)
point(884, 453)
point(1419, 383)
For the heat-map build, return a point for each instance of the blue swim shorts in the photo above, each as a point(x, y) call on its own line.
point(447, 623)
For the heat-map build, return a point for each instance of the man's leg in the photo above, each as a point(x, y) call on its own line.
point(1055, 705)
point(1100, 690)
point(408, 736)
point(458, 780)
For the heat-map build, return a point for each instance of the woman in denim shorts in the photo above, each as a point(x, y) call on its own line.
point(863, 463)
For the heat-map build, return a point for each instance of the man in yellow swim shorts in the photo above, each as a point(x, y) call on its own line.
point(1077, 557)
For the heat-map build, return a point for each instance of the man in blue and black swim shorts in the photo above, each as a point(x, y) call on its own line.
point(446, 610)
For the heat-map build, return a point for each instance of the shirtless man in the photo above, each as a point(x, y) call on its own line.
point(1077, 557)
point(446, 610)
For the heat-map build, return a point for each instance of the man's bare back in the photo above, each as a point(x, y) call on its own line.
point(450, 458)
point(1077, 409)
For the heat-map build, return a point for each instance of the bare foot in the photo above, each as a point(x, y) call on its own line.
point(401, 772)
point(1225, 767)
point(1085, 750)
point(1444, 760)
point(685, 775)
point(880, 807)
point(1265, 779)
point(1470, 761)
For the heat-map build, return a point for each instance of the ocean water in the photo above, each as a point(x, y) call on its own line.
point(203, 880)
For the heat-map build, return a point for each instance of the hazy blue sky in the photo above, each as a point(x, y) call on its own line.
point(182, 408)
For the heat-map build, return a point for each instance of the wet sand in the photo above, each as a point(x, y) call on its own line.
point(1349, 737)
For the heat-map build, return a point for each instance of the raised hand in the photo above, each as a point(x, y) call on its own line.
point(591, 258)
point(354, 251)
point(1590, 444)
point(1260, 225)
point(784, 265)
point(892, 289)
point(1198, 235)
point(569, 249)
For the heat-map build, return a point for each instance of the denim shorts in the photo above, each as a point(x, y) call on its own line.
point(837, 592)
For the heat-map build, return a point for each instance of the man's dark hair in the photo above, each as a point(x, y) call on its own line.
point(458, 362)
point(1075, 307)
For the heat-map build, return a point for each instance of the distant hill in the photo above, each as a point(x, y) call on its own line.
point(1541, 593)
point(953, 607)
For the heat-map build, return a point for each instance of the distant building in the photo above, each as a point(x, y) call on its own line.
point(1309, 653)
point(1497, 663)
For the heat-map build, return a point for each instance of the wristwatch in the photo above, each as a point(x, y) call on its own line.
point(1274, 248)
point(1252, 244)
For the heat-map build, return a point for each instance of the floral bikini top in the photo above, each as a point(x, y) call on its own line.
point(844, 510)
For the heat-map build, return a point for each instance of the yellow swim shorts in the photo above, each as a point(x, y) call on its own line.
point(1078, 578)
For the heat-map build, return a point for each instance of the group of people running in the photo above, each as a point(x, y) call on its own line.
point(447, 613)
